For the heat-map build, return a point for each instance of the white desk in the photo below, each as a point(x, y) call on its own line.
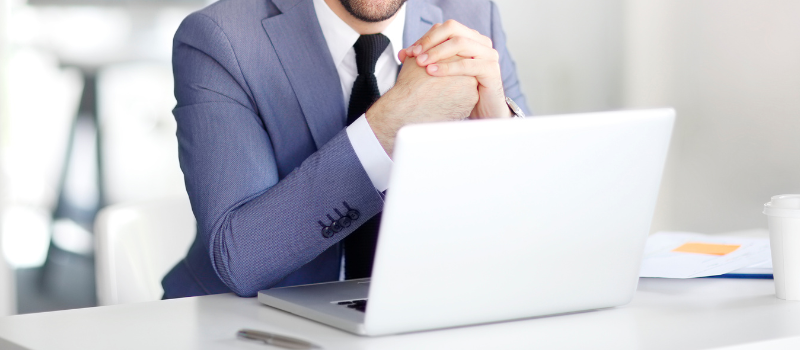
point(665, 314)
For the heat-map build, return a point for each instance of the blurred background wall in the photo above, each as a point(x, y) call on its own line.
point(85, 117)
point(731, 68)
point(569, 53)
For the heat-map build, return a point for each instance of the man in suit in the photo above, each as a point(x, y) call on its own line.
point(287, 112)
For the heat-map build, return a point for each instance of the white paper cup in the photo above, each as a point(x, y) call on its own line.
point(783, 214)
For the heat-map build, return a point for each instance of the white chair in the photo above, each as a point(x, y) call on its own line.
point(136, 244)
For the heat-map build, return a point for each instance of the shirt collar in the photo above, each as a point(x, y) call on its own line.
point(341, 38)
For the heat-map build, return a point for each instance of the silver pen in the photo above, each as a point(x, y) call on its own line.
point(276, 339)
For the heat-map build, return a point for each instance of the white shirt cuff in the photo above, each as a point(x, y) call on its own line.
point(370, 153)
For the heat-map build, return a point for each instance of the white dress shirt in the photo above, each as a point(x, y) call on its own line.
point(340, 38)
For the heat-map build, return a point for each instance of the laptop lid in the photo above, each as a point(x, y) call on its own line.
point(503, 219)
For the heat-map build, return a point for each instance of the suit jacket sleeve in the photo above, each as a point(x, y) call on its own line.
point(257, 228)
point(507, 66)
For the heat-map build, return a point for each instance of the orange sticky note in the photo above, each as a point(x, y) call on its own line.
point(707, 248)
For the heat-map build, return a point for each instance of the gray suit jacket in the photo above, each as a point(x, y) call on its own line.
point(263, 150)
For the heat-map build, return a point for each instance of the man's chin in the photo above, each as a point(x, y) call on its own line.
point(372, 10)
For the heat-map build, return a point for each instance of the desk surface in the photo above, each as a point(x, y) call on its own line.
point(665, 314)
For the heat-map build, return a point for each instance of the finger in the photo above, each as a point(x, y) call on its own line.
point(416, 46)
point(410, 50)
point(487, 72)
point(402, 56)
point(458, 46)
point(490, 83)
point(440, 33)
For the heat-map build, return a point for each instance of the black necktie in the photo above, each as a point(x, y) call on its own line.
point(365, 89)
point(359, 246)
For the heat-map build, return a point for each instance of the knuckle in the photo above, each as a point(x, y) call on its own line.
point(486, 41)
point(445, 68)
point(425, 40)
point(452, 68)
point(495, 56)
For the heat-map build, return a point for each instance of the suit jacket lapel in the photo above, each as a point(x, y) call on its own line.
point(298, 41)
point(300, 45)
point(420, 17)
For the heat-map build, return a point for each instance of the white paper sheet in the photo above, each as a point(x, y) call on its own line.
point(764, 268)
point(660, 261)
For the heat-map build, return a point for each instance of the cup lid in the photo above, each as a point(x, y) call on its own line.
point(785, 205)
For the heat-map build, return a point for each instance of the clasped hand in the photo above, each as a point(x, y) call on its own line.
point(452, 49)
point(455, 74)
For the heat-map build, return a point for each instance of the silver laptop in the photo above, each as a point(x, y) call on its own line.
point(497, 220)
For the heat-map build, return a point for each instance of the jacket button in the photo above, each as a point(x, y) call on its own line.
point(345, 221)
point(353, 214)
point(336, 226)
point(327, 232)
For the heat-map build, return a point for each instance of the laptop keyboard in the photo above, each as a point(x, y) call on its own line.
point(360, 305)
